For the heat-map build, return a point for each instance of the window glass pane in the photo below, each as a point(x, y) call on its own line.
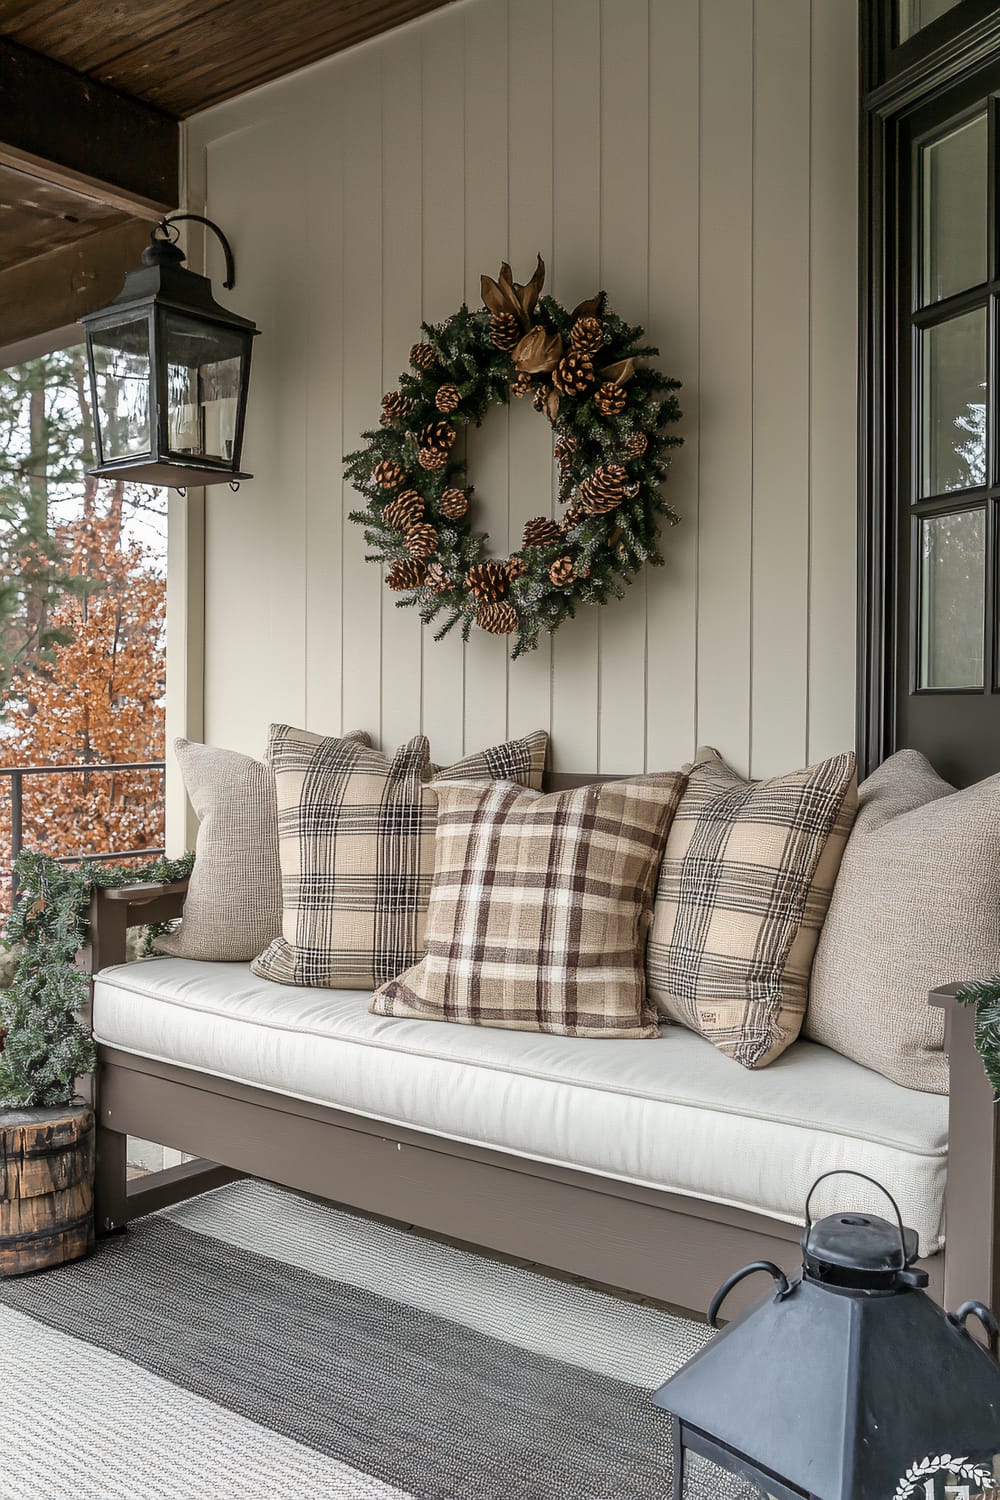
point(953, 405)
point(914, 15)
point(121, 365)
point(203, 384)
point(952, 600)
point(953, 210)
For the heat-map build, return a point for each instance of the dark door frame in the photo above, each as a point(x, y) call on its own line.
point(896, 81)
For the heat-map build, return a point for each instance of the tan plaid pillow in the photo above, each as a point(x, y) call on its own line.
point(356, 839)
point(747, 877)
point(232, 908)
point(540, 909)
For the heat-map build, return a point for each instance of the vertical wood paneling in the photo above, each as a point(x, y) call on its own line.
point(832, 478)
point(697, 160)
point(780, 578)
point(674, 190)
point(443, 81)
point(485, 247)
point(529, 197)
point(361, 376)
point(401, 279)
point(625, 266)
point(726, 496)
point(576, 271)
point(323, 357)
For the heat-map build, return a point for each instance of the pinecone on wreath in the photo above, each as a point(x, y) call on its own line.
point(487, 581)
point(437, 580)
point(432, 458)
point(564, 450)
point(406, 573)
point(610, 398)
point(516, 565)
point(447, 398)
point(498, 619)
point(403, 512)
point(453, 503)
point(603, 490)
point(421, 540)
point(423, 356)
point(388, 474)
point(505, 331)
point(587, 335)
point(571, 518)
point(395, 407)
point(540, 532)
point(636, 445)
point(521, 385)
point(562, 572)
point(574, 373)
point(437, 437)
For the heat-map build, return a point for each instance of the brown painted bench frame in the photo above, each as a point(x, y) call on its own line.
point(660, 1244)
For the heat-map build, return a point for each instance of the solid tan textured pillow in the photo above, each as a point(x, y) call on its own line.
point(233, 905)
point(917, 905)
point(356, 842)
point(540, 908)
point(746, 880)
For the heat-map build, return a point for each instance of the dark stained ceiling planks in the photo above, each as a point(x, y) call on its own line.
point(184, 55)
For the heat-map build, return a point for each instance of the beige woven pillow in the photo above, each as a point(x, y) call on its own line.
point(356, 843)
point(540, 908)
point(746, 880)
point(917, 905)
point(233, 905)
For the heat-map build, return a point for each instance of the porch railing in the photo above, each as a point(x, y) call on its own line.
point(16, 775)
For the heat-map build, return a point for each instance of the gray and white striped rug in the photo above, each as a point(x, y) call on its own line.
point(254, 1345)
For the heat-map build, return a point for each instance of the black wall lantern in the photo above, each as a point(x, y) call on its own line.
point(846, 1383)
point(169, 372)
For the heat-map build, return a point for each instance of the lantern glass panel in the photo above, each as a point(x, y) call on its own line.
point(204, 365)
point(121, 375)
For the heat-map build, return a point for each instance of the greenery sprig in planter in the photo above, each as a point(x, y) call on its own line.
point(984, 994)
point(45, 1046)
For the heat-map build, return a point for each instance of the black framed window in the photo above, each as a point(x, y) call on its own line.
point(930, 630)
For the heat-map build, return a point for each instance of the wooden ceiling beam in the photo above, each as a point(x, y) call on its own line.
point(51, 293)
point(80, 134)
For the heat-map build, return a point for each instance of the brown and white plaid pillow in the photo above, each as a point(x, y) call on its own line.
point(232, 908)
point(746, 881)
point(356, 840)
point(540, 908)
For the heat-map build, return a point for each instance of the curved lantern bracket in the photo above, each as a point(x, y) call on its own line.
point(978, 1310)
point(162, 234)
point(780, 1280)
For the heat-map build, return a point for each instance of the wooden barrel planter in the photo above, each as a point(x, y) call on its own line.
point(46, 1188)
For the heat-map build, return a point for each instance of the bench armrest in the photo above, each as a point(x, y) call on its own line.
point(114, 911)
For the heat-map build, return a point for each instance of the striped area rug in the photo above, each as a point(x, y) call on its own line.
point(254, 1345)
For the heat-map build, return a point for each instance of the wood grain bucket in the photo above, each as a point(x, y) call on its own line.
point(46, 1188)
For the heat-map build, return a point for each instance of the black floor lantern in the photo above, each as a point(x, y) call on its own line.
point(847, 1382)
point(169, 372)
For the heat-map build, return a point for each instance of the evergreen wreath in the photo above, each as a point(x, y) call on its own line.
point(609, 416)
point(44, 1047)
point(984, 994)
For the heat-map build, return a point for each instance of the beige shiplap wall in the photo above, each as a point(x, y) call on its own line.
point(697, 160)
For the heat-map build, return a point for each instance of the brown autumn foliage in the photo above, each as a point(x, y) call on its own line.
point(100, 700)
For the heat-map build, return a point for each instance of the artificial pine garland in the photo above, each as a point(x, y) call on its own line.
point(610, 417)
point(45, 1046)
point(984, 994)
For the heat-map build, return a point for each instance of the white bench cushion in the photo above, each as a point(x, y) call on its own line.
point(673, 1113)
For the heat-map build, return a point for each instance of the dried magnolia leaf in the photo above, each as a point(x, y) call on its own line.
point(538, 352)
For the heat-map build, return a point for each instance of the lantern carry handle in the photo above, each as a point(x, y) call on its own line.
point(847, 1172)
point(981, 1311)
point(780, 1279)
point(161, 231)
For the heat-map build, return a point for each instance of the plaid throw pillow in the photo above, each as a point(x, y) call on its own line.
point(747, 877)
point(232, 908)
point(540, 909)
point(356, 839)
